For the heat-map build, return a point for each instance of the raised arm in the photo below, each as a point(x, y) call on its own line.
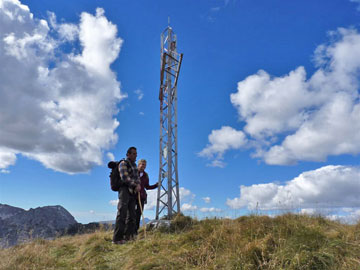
point(147, 186)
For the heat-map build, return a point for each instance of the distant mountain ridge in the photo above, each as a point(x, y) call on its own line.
point(18, 225)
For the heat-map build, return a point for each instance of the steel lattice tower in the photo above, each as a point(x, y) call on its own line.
point(168, 191)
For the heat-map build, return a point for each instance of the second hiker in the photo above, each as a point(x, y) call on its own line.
point(144, 179)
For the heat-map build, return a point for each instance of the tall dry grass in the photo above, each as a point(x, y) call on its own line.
point(251, 242)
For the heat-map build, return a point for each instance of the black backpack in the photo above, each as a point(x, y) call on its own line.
point(115, 180)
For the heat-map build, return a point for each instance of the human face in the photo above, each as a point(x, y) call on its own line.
point(142, 166)
point(132, 155)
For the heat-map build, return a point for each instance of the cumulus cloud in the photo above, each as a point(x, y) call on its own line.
point(151, 199)
point(210, 210)
point(7, 158)
point(344, 215)
point(354, 216)
point(207, 199)
point(272, 105)
point(186, 196)
point(188, 207)
point(326, 187)
point(110, 156)
point(295, 118)
point(98, 53)
point(222, 140)
point(48, 95)
point(66, 31)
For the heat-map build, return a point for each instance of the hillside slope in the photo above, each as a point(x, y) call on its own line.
point(249, 242)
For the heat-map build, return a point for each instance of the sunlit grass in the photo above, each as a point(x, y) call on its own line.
point(249, 242)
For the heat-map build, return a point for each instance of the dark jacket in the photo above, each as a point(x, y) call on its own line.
point(144, 179)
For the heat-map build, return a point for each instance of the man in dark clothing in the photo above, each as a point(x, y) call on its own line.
point(127, 198)
point(144, 179)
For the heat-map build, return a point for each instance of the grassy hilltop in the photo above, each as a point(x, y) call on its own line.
point(249, 242)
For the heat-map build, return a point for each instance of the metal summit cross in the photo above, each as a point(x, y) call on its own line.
point(168, 198)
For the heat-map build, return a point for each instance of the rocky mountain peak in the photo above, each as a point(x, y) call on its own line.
point(18, 225)
point(7, 211)
point(54, 217)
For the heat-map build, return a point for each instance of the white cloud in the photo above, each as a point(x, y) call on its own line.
point(207, 199)
point(217, 163)
point(48, 96)
point(186, 200)
point(188, 207)
point(308, 211)
point(294, 118)
point(66, 31)
point(222, 140)
point(349, 217)
point(151, 199)
point(186, 196)
point(7, 158)
point(356, 215)
point(100, 45)
point(139, 93)
point(110, 156)
point(272, 105)
point(210, 210)
point(326, 187)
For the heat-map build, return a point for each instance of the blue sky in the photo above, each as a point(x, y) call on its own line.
point(268, 103)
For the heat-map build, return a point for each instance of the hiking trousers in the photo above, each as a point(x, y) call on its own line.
point(125, 225)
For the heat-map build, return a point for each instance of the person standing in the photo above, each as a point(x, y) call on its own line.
point(144, 183)
point(125, 225)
